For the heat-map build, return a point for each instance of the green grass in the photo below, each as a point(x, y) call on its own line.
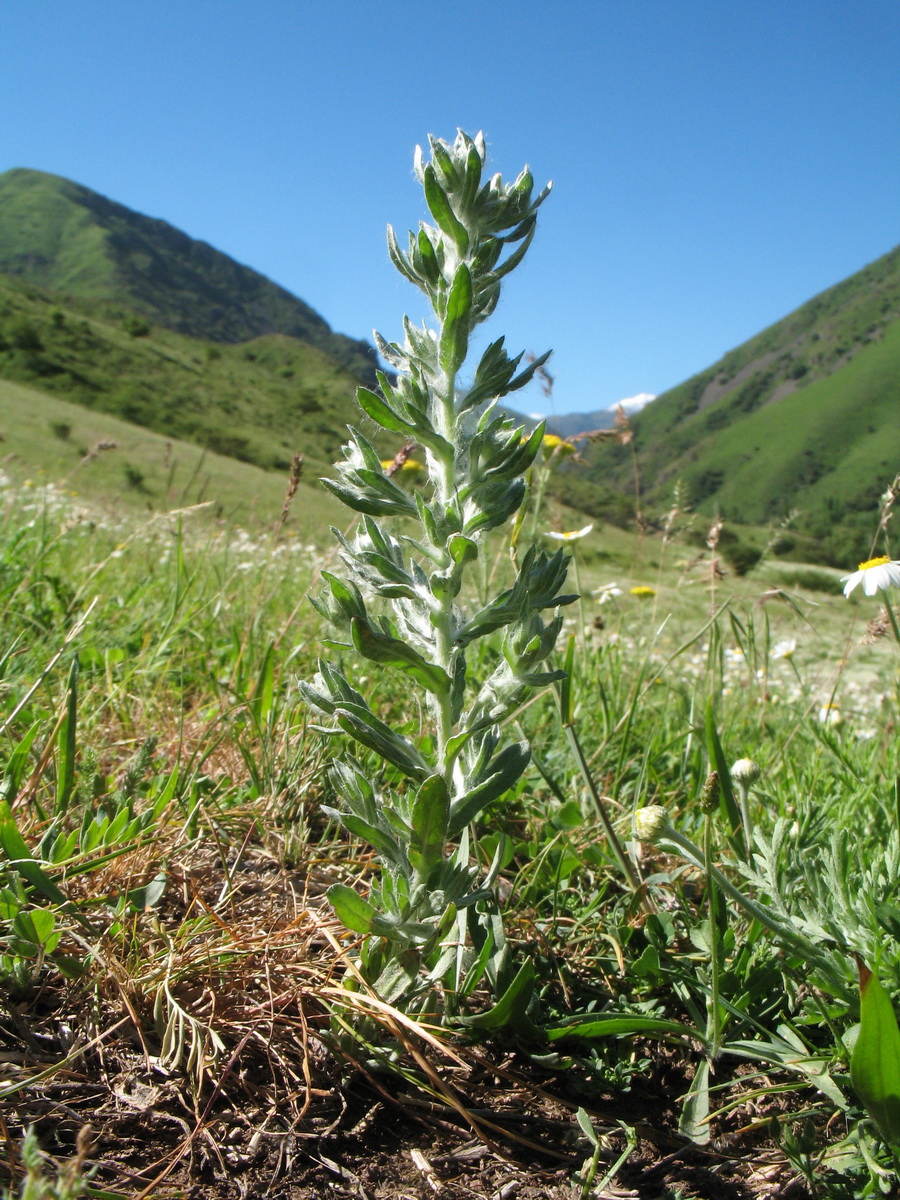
point(145, 472)
point(185, 765)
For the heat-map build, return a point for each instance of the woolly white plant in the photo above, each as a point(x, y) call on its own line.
point(430, 924)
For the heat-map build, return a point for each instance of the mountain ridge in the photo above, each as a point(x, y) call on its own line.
point(66, 237)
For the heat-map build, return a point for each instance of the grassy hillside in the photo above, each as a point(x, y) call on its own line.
point(804, 416)
point(68, 238)
point(47, 439)
point(260, 402)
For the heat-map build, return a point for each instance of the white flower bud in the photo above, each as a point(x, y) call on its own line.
point(745, 772)
point(651, 823)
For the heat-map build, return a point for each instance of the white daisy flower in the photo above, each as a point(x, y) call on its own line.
point(609, 591)
point(785, 649)
point(572, 536)
point(830, 714)
point(876, 574)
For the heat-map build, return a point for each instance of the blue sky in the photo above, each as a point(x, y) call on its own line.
point(715, 163)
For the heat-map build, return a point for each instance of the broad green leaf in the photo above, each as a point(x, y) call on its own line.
point(382, 413)
point(20, 857)
point(430, 814)
point(462, 549)
point(377, 838)
point(362, 724)
point(875, 1061)
point(694, 1121)
point(351, 909)
point(140, 899)
point(427, 257)
point(506, 770)
point(264, 692)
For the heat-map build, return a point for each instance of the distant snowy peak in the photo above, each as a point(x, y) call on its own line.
point(635, 403)
point(603, 418)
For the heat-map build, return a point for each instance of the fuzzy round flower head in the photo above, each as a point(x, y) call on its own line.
point(574, 535)
point(875, 574)
point(745, 772)
point(642, 592)
point(651, 823)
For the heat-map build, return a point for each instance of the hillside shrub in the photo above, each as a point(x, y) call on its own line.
point(740, 556)
point(135, 326)
point(811, 580)
point(24, 336)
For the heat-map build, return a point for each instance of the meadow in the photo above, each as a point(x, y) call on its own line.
point(461, 848)
point(172, 970)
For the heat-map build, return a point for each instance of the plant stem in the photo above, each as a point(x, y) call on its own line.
point(618, 850)
point(744, 804)
point(714, 1028)
point(893, 619)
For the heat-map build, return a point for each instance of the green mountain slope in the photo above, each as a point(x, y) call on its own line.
point(46, 438)
point(69, 239)
point(260, 401)
point(806, 415)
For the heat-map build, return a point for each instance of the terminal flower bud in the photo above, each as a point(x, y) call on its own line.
point(745, 772)
point(709, 793)
point(651, 823)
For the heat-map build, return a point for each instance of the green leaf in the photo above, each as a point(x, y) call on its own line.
point(361, 723)
point(617, 1025)
point(399, 259)
point(21, 859)
point(472, 180)
point(505, 770)
point(462, 549)
point(264, 692)
point(875, 1061)
point(455, 329)
point(140, 899)
point(566, 694)
point(393, 653)
point(377, 838)
point(427, 257)
point(727, 803)
point(16, 764)
point(429, 817)
point(66, 743)
point(694, 1121)
point(510, 1011)
point(382, 413)
point(355, 913)
point(439, 207)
